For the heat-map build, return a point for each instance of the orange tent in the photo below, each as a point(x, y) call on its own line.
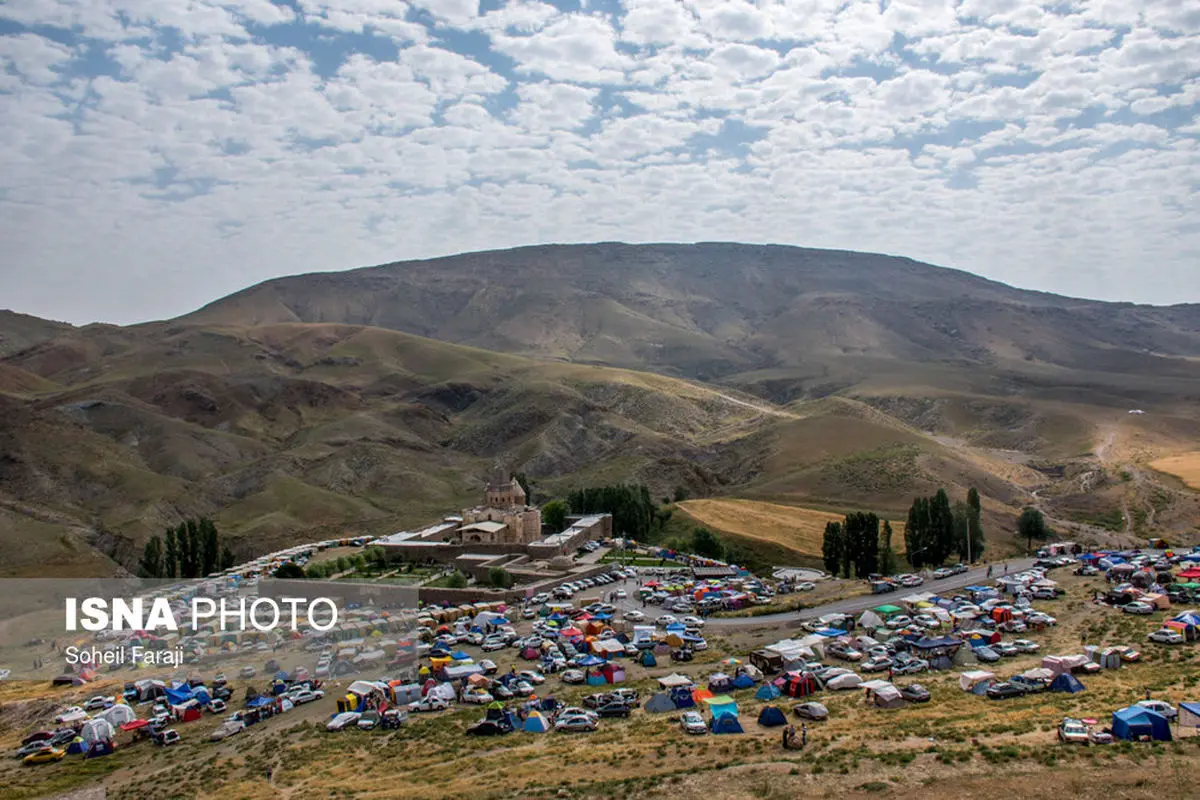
point(700, 695)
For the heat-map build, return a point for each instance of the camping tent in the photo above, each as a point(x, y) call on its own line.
point(726, 723)
point(1189, 715)
point(887, 697)
point(536, 723)
point(743, 681)
point(659, 704)
point(1066, 682)
point(767, 692)
point(722, 704)
point(681, 696)
point(647, 659)
point(719, 682)
point(96, 730)
point(118, 715)
point(771, 717)
point(976, 681)
point(1134, 722)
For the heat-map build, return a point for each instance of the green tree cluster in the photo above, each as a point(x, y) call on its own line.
point(554, 515)
point(191, 550)
point(1032, 525)
point(936, 530)
point(851, 547)
point(634, 512)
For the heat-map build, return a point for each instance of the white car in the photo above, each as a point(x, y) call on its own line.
point(217, 706)
point(667, 619)
point(805, 586)
point(693, 621)
point(69, 713)
point(634, 616)
point(536, 678)
point(306, 696)
point(1138, 608)
point(1166, 709)
point(98, 702)
point(620, 594)
point(429, 703)
point(1166, 636)
point(1026, 646)
point(693, 723)
point(493, 643)
point(345, 719)
point(477, 696)
point(230, 727)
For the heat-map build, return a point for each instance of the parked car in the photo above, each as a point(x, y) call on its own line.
point(44, 755)
point(71, 712)
point(168, 737)
point(814, 711)
point(693, 723)
point(876, 664)
point(247, 672)
point(1166, 709)
point(429, 703)
point(1005, 690)
point(943, 572)
point(915, 693)
point(1006, 649)
point(1072, 731)
point(634, 615)
point(368, 720)
point(307, 696)
point(1026, 646)
point(987, 655)
point(489, 667)
point(229, 728)
point(489, 727)
point(573, 677)
point(477, 696)
point(98, 702)
point(576, 723)
point(1138, 607)
point(844, 652)
point(1166, 636)
point(217, 706)
point(614, 709)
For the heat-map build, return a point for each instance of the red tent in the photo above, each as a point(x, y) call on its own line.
point(1191, 573)
point(133, 725)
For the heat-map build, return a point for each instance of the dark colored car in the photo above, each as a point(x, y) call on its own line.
point(915, 693)
point(489, 727)
point(1003, 691)
point(614, 709)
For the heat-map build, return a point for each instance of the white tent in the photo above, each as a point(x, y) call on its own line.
point(888, 697)
point(869, 619)
point(1038, 674)
point(969, 680)
point(442, 690)
point(673, 680)
point(118, 715)
point(96, 730)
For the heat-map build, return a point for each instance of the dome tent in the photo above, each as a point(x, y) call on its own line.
point(726, 723)
point(536, 723)
point(768, 692)
point(771, 717)
point(660, 704)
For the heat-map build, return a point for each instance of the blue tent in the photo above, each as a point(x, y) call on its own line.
point(461, 655)
point(682, 697)
point(1135, 721)
point(258, 701)
point(1066, 682)
point(743, 681)
point(768, 692)
point(536, 723)
point(771, 717)
point(676, 627)
point(830, 632)
point(589, 661)
point(178, 696)
point(726, 723)
point(647, 659)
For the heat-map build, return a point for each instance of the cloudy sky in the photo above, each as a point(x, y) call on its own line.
point(157, 154)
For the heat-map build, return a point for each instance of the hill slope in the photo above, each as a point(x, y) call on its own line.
point(715, 310)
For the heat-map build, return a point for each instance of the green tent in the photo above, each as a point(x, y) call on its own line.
point(887, 611)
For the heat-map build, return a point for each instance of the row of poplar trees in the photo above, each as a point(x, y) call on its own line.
point(192, 550)
point(936, 530)
point(857, 546)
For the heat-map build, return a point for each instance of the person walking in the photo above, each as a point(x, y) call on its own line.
point(803, 735)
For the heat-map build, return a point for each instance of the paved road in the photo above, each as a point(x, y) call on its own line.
point(852, 605)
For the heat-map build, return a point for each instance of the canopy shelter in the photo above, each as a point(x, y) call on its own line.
point(673, 680)
point(1136, 722)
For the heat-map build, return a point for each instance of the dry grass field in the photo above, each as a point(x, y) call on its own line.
point(958, 745)
point(1186, 467)
point(794, 527)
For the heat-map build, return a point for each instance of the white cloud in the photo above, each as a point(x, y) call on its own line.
point(207, 157)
